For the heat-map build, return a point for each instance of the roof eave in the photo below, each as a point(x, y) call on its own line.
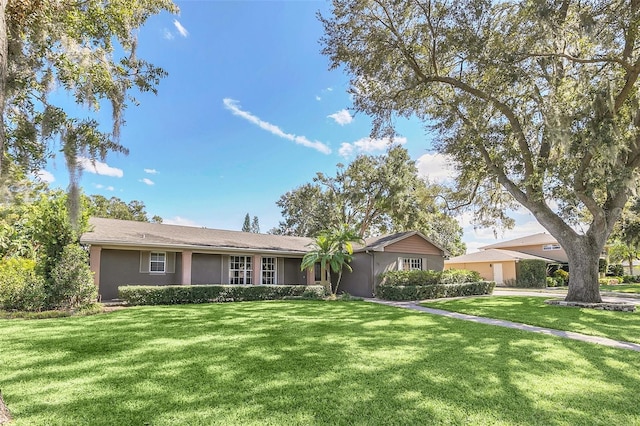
point(193, 247)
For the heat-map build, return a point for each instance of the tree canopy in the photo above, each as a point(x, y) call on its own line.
point(115, 208)
point(86, 48)
point(535, 101)
point(373, 195)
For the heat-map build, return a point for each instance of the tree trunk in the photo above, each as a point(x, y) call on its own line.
point(4, 57)
point(323, 277)
point(584, 257)
point(630, 265)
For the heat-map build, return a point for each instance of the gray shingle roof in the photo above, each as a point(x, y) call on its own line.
point(127, 233)
point(141, 234)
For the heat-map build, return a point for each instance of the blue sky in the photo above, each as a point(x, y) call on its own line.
point(249, 111)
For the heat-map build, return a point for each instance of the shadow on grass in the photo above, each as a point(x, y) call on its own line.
point(305, 363)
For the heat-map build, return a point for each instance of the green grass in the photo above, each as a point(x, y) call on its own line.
point(308, 363)
point(622, 288)
point(532, 310)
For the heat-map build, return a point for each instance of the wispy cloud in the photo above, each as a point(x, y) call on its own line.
point(99, 168)
point(436, 167)
point(147, 181)
point(151, 171)
point(368, 145)
point(342, 117)
point(108, 188)
point(44, 176)
point(182, 30)
point(234, 107)
point(318, 98)
point(168, 35)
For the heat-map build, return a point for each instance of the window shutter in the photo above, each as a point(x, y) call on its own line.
point(170, 267)
point(144, 262)
point(280, 270)
point(425, 265)
point(400, 264)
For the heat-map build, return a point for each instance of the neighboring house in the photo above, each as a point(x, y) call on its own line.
point(129, 253)
point(541, 245)
point(635, 269)
point(492, 264)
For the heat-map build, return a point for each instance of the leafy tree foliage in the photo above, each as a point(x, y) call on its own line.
point(87, 48)
point(255, 225)
point(373, 195)
point(534, 100)
point(38, 242)
point(333, 250)
point(250, 225)
point(624, 243)
point(71, 281)
point(115, 208)
point(246, 225)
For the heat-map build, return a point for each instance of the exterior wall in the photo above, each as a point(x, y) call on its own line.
point(292, 273)
point(367, 268)
point(536, 250)
point(414, 245)
point(485, 269)
point(122, 267)
point(206, 269)
point(359, 282)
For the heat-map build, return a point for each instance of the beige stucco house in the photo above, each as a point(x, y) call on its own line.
point(129, 253)
point(498, 262)
point(542, 245)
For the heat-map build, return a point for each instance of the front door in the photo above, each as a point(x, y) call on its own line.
point(497, 273)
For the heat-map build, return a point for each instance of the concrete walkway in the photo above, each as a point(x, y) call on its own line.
point(509, 324)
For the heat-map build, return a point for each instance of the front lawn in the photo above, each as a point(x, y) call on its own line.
point(303, 362)
point(532, 310)
point(621, 288)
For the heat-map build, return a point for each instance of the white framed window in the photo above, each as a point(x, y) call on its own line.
point(548, 247)
point(268, 270)
point(412, 263)
point(240, 269)
point(157, 262)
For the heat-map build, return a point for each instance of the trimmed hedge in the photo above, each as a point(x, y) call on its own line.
point(433, 291)
point(180, 294)
point(531, 273)
point(421, 278)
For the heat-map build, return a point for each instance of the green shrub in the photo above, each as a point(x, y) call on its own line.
point(459, 276)
point(531, 273)
point(551, 282)
point(180, 294)
point(610, 281)
point(561, 275)
point(628, 279)
point(21, 288)
point(415, 277)
point(615, 270)
point(433, 291)
point(71, 282)
point(410, 278)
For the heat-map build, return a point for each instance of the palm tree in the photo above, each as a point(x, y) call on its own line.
point(333, 249)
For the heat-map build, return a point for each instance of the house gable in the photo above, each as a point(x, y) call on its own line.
point(413, 244)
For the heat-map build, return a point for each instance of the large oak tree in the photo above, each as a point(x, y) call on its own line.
point(536, 101)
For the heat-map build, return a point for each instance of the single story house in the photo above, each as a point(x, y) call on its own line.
point(129, 253)
point(492, 264)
